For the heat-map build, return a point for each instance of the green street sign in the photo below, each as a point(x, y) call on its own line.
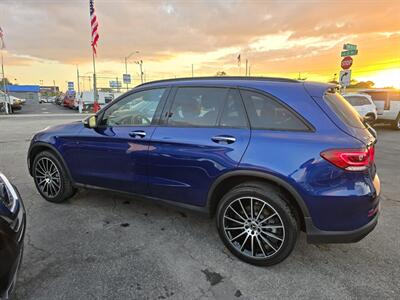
point(349, 47)
point(349, 53)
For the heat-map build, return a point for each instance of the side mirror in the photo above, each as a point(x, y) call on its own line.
point(90, 122)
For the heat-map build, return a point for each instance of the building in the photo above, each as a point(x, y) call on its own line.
point(50, 89)
point(28, 92)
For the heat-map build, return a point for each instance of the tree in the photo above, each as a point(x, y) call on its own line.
point(221, 73)
point(362, 84)
point(7, 82)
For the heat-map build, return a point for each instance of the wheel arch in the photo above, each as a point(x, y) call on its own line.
point(227, 181)
point(38, 147)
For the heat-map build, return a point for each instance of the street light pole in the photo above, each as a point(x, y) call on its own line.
point(140, 63)
point(126, 64)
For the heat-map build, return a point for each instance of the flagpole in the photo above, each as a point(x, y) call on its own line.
point(95, 94)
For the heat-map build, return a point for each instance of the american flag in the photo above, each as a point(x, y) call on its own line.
point(2, 38)
point(94, 25)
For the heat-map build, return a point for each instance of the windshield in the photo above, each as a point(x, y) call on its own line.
point(344, 110)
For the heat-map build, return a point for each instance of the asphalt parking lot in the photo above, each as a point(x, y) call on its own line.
point(105, 245)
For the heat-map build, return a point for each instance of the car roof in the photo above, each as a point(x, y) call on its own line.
point(263, 83)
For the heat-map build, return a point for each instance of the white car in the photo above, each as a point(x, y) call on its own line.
point(364, 105)
point(387, 103)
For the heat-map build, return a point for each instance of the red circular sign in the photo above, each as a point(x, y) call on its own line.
point(346, 62)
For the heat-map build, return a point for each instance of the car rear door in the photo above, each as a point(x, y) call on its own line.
point(114, 155)
point(203, 134)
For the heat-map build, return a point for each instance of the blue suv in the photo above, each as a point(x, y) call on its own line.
point(267, 156)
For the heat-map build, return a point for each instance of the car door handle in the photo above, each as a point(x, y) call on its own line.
point(137, 133)
point(223, 139)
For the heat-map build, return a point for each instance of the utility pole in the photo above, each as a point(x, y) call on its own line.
point(4, 84)
point(140, 63)
point(246, 65)
point(126, 65)
point(77, 77)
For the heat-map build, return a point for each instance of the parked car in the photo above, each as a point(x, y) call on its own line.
point(68, 101)
point(15, 102)
point(59, 99)
point(267, 156)
point(87, 99)
point(387, 102)
point(364, 105)
point(12, 231)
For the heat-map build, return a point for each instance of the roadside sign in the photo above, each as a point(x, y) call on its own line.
point(349, 52)
point(345, 77)
point(126, 78)
point(115, 84)
point(349, 47)
point(70, 85)
point(346, 62)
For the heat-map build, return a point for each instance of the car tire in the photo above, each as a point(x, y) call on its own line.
point(51, 178)
point(396, 123)
point(264, 237)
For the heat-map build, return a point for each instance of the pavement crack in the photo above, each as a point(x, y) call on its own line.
point(31, 244)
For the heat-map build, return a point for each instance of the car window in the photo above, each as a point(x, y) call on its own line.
point(378, 96)
point(135, 109)
point(266, 113)
point(197, 106)
point(357, 100)
point(394, 96)
point(343, 110)
point(233, 114)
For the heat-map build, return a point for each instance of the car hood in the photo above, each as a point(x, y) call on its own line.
point(48, 133)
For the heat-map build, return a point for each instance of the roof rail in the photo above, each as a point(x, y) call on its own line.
point(256, 78)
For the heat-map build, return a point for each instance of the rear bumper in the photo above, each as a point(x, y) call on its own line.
point(317, 236)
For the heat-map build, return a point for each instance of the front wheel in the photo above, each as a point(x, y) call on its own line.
point(51, 179)
point(256, 224)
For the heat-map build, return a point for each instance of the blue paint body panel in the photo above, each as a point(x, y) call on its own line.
point(182, 164)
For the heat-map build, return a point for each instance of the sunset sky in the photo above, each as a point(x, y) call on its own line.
point(46, 40)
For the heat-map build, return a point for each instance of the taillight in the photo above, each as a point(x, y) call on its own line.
point(351, 159)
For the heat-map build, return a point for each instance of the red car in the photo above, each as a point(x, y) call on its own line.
point(68, 101)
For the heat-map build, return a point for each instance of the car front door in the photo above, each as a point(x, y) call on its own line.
point(204, 133)
point(114, 155)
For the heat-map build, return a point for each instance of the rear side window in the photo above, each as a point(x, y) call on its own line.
point(343, 110)
point(266, 113)
point(378, 96)
point(357, 100)
point(394, 96)
point(233, 114)
point(197, 106)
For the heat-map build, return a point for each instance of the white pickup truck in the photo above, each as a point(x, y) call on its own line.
point(387, 103)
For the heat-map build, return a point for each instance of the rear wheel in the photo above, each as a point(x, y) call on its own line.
point(51, 179)
point(256, 224)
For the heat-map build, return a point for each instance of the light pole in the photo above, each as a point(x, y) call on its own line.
point(140, 63)
point(126, 64)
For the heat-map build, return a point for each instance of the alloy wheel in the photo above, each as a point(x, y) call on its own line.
point(47, 177)
point(253, 227)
